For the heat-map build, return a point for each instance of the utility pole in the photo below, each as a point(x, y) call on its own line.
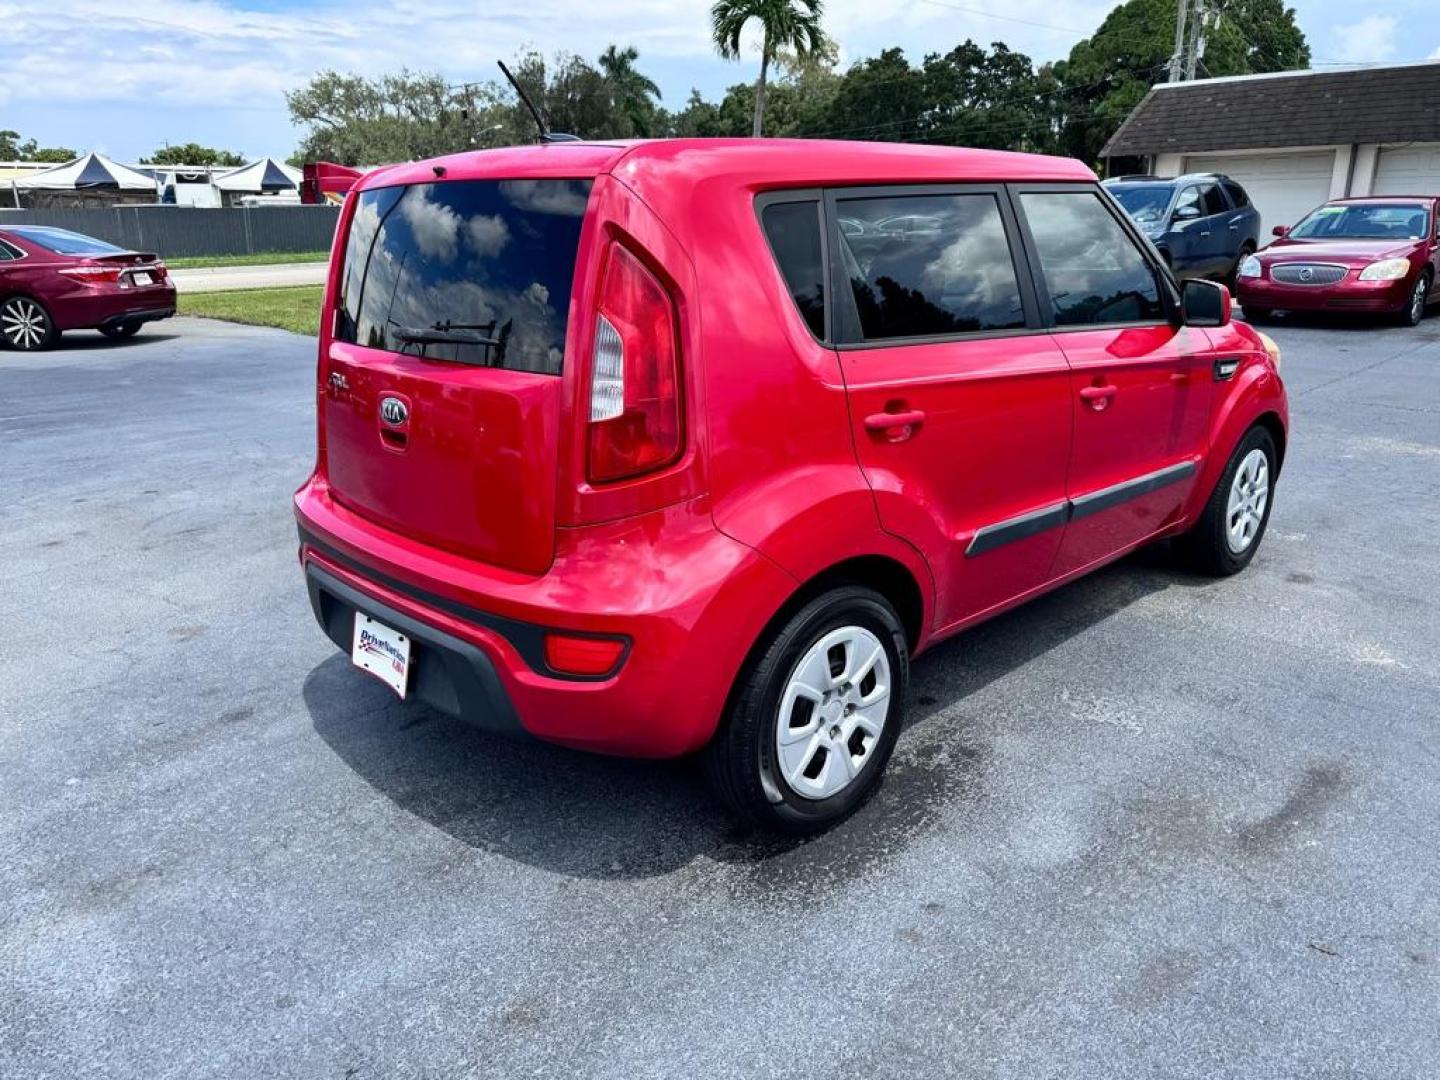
point(1197, 39)
point(1177, 58)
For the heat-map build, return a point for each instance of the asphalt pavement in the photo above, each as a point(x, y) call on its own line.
point(1148, 826)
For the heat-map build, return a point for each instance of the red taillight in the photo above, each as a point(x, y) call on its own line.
point(574, 655)
point(159, 270)
point(94, 275)
point(635, 423)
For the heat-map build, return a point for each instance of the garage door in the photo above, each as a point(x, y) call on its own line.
point(1283, 187)
point(1408, 170)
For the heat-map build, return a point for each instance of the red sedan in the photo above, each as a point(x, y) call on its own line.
point(1372, 254)
point(53, 280)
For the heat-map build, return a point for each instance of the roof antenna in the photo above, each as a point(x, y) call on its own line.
point(546, 135)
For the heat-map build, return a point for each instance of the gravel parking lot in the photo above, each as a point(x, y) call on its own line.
point(1149, 826)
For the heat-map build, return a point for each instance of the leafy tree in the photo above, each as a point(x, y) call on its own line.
point(194, 154)
point(632, 94)
point(1108, 73)
point(13, 148)
point(358, 121)
point(785, 24)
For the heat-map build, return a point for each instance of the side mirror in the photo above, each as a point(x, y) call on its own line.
point(1186, 213)
point(1280, 230)
point(1204, 303)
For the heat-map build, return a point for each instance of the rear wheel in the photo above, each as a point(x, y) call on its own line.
point(1246, 250)
point(1233, 522)
point(26, 325)
point(814, 716)
point(1415, 307)
point(120, 331)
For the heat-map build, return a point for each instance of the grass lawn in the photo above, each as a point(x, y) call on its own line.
point(260, 258)
point(296, 309)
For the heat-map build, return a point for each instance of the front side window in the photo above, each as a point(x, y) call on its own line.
point(793, 230)
point(1189, 198)
point(471, 271)
point(1093, 270)
point(929, 265)
point(1212, 201)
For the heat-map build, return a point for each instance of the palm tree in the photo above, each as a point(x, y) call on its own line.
point(631, 91)
point(788, 24)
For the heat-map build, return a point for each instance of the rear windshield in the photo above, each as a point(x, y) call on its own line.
point(471, 271)
point(64, 242)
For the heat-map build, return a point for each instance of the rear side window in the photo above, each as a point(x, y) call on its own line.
point(793, 230)
point(7, 252)
point(929, 265)
point(472, 271)
point(1236, 193)
point(1093, 270)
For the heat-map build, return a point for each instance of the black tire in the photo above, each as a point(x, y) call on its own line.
point(741, 760)
point(1256, 314)
point(25, 325)
point(1414, 310)
point(1205, 548)
point(1232, 278)
point(121, 331)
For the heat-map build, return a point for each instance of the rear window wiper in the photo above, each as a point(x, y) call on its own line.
point(447, 333)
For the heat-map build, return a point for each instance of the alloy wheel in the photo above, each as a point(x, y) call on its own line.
point(1249, 493)
point(1417, 300)
point(24, 323)
point(832, 712)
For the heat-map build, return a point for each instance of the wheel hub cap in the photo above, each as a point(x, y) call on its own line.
point(1249, 494)
point(832, 712)
point(23, 324)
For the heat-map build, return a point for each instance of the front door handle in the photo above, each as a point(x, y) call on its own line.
point(894, 426)
point(1098, 397)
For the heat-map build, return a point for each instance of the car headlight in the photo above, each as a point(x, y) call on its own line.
point(1270, 347)
point(1386, 270)
point(1249, 267)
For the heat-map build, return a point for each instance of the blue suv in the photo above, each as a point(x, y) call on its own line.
point(1202, 223)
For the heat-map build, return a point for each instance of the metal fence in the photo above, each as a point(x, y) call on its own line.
point(173, 231)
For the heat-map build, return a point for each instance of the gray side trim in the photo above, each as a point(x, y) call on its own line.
point(1017, 528)
point(1035, 522)
point(1105, 498)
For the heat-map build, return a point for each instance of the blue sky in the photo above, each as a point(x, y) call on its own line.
point(126, 78)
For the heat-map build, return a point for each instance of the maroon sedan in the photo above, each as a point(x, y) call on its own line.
point(1373, 254)
point(52, 280)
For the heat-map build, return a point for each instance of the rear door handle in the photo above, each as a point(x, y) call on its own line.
point(894, 426)
point(1098, 397)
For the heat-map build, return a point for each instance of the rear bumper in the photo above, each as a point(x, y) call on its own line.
point(447, 672)
point(689, 600)
point(90, 309)
point(1346, 295)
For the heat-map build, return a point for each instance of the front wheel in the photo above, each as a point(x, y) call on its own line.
point(814, 716)
point(1233, 522)
point(26, 325)
point(1414, 309)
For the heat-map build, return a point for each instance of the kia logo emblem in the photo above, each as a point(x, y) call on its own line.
point(394, 411)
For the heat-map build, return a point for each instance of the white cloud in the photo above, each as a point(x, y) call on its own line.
point(1367, 41)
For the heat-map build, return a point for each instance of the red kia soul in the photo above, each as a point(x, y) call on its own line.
point(694, 445)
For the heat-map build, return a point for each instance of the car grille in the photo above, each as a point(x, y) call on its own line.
point(1307, 273)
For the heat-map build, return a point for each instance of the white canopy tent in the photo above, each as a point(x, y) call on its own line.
point(262, 177)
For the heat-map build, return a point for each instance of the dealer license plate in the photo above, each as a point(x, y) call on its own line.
point(143, 279)
point(383, 652)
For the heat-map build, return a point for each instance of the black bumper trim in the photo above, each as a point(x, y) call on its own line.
point(526, 638)
point(142, 316)
point(447, 674)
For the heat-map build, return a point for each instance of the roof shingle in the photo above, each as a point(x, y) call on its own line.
point(1379, 104)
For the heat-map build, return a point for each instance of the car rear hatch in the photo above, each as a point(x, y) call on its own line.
point(441, 389)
